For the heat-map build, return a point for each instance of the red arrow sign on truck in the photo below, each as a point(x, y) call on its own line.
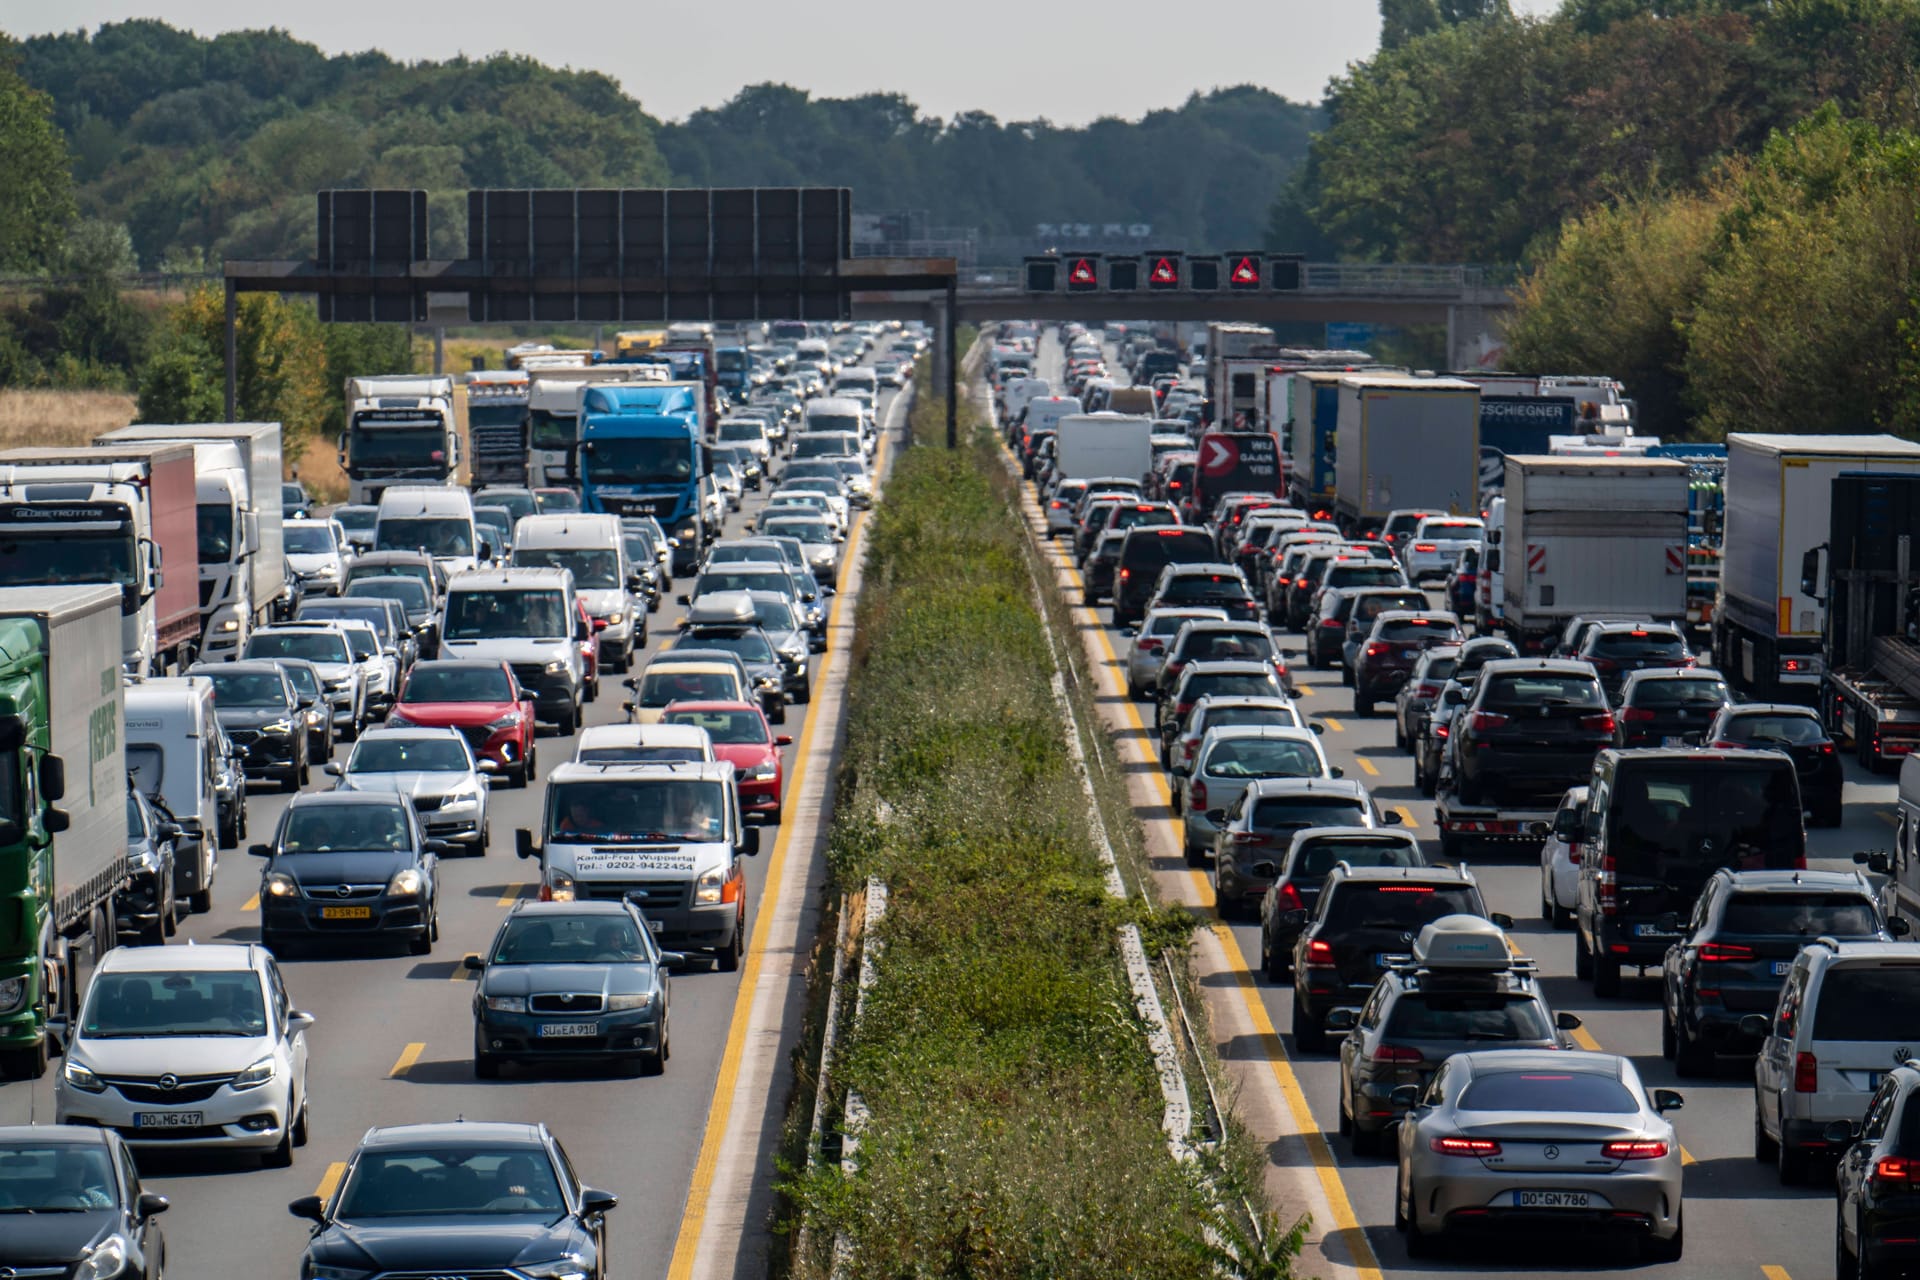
point(1218, 457)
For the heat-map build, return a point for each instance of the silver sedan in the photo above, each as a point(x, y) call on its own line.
point(1554, 1141)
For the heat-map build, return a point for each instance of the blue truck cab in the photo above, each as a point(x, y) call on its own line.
point(643, 453)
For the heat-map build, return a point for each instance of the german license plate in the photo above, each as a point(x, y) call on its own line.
point(168, 1119)
point(1552, 1200)
point(1652, 931)
point(1380, 959)
point(1780, 968)
point(346, 913)
point(1674, 740)
point(560, 1030)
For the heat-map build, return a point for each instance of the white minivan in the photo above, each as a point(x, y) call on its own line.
point(528, 619)
point(173, 743)
point(592, 548)
point(436, 519)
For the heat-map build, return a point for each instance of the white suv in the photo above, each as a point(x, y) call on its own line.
point(189, 1047)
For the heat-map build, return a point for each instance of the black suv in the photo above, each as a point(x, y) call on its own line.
point(350, 865)
point(1145, 552)
point(1617, 649)
point(1365, 915)
point(1876, 1229)
point(1387, 658)
point(464, 1197)
point(73, 1200)
point(1303, 871)
point(1796, 731)
point(1669, 708)
point(1530, 731)
point(1746, 928)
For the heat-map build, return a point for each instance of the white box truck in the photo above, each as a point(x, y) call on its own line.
point(1104, 444)
point(1767, 633)
point(1405, 442)
point(1585, 537)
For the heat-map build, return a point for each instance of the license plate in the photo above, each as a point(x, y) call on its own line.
point(1651, 931)
point(1552, 1200)
point(168, 1119)
point(1380, 958)
point(346, 913)
point(558, 1030)
point(1409, 653)
point(1873, 1080)
point(1780, 968)
point(1674, 740)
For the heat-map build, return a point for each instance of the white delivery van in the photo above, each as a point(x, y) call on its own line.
point(436, 519)
point(591, 548)
point(173, 744)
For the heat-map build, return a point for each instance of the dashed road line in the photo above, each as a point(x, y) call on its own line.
point(330, 1180)
point(408, 1056)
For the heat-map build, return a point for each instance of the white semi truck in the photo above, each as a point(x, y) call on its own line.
point(400, 430)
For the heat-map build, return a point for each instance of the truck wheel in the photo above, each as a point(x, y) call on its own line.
point(24, 1064)
point(1606, 977)
point(1582, 960)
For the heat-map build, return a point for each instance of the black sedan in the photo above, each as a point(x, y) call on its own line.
point(1876, 1228)
point(350, 865)
point(1796, 731)
point(258, 708)
point(73, 1205)
point(573, 980)
point(458, 1198)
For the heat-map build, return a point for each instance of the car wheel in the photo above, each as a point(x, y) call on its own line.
point(290, 781)
point(569, 720)
point(1606, 977)
point(780, 715)
point(1362, 706)
point(422, 945)
point(302, 1124)
point(1308, 1035)
point(1278, 963)
point(1419, 1244)
point(1363, 1143)
point(1846, 1262)
point(486, 1066)
point(1429, 782)
point(1691, 1058)
point(1346, 1116)
point(24, 1064)
point(1829, 814)
point(728, 957)
point(1654, 1249)
point(1346, 676)
point(1558, 916)
point(281, 1156)
point(1582, 960)
point(1399, 732)
point(486, 839)
point(1667, 1038)
point(1765, 1149)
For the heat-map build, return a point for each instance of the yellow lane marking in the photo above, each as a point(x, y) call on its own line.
point(1306, 691)
point(251, 904)
point(408, 1056)
point(510, 895)
point(1333, 724)
point(330, 1180)
point(1887, 818)
point(693, 1218)
point(1584, 1038)
point(1407, 819)
point(460, 971)
point(1366, 766)
point(1775, 1273)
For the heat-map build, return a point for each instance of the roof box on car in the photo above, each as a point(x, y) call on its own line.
point(1462, 942)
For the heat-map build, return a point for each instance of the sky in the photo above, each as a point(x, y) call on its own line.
point(1069, 64)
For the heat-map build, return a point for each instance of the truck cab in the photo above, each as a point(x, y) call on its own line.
point(400, 428)
point(497, 402)
point(643, 453)
point(667, 837)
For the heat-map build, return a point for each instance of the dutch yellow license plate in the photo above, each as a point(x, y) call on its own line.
point(346, 913)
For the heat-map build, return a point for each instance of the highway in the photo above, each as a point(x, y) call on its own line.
point(394, 1033)
point(1741, 1223)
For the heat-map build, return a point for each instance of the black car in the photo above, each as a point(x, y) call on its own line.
point(1746, 928)
point(1365, 915)
point(315, 711)
point(350, 865)
point(465, 1198)
point(1617, 649)
point(1202, 640)
point(1313, 853)
point(71, 1199)
point(1669, 708)
point(256, 705)
point(145, 908)
point(1144, 554)
point(1096, 576)
point(1414, 703)
point(1530, 731)
point(1796, 731)
point(1876, 1226)
point(1364, 604)
point(572, 980)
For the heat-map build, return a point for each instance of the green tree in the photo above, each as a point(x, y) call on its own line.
point(280, 366)
point(36, 195)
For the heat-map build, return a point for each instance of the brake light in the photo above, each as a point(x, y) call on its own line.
point(1485, 720)
point(1440, 731)
point(1282, 580)
point(1125, 574)
point(1398, 1053)
point(1806, 1074)
point(1607, 881)
point(1173, 531)
point(1826, 748)
point(1375, 648)
point(1149, 644)
point(1895, 1169)
point(1466, 1147)
point(1427, 690)
point(1319, 954)
point(1638, 635)
point(1288, 897)
point(1602, 723)
point(1198, 794)
point(1056, 504)
point(1633, 1150)
point(1635, 714)
point(1723, 952)
point(1424, 546)
point(1405, 888)
point(1331, 622)
point(1188, 747)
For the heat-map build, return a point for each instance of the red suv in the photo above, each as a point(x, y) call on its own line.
point(480, 699)
point(741, 737)
point(1391, 649)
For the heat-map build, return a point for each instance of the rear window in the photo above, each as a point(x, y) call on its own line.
point(1166, 624)
point(1800, 915)
point(1229, 685)
point(1439, 669)
point(1219, 646)
point(1317, 859)
point(1405, 907)
point(1419, 631)
point(1467, 1015)
point(1214, 586)
point(1549, 1091)
point(1768, 730)
point(1263, 758)
point(1169, 546)
point(1252, 715)
point(1524, 692)
point(1681, 693)
point(1367, 608)
point(1451, 529)
point(1629, 645)
point(1365, 575)
point(1867, 1002)
point(1291, 813)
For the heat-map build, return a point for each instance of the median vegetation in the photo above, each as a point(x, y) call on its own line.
point(1014, 1116)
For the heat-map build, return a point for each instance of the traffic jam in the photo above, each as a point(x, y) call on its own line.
point(1550, 781)
point(497, 757)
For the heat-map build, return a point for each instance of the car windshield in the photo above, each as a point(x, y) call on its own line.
point(516, 502)
point(1320, 857)
point(293, 495)
point(331, 828)
point(1619, 646)
point(1676, 822)
point(1405, 907)
point(496, 615)
point(418, 572)
point(440, 1181)
point(599, 938)
point(126, 1006)
point(1213, 646)
point(637, 810)
point(815, 532)
point(727, 727)
point(1291, 813)
point(1775, 730)
point(59, 1177)
point(1263, 758)
point(356, 519)
point(742, 580)
point(1583, 1092)
point(312, 646)
point(1680, 693)
point(430, 682)
point(409, 755)
point(136, 819)
point(1869, 1001)
point(1444, 1015)
point(308, 539)
point(594, 568)
point(247, 688)
point(435, 535)
point(1801, 915)
point(373, 615)
point(774, 615)
point(683, 684)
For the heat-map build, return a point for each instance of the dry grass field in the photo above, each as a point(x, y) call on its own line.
point(60, 417)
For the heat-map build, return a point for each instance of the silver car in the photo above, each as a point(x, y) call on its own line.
point(1505, 1140)
point(1211, 713)
point(1230, 758)
point(1148, 643)
point(435, 769)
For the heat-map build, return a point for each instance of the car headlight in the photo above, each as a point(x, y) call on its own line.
point(555, 667)
point(405, 884)
point(104, 1261)
point(507, 1004)
point(13, 993)
point(628, 1002)
point(685, 531)
point(277, 728)
point(327, 571)
point(763, 771)
point(766, 683)
point(230, 624)
point(460, 800)
point(339, 684)
point(317, 1271)
point(615, 618)
point(507, 721)
point(281, 885)
point(567, 1268)
point(81, 1078)
point(559, 886)
point(315, 719)
point(707, 888)
point(254, 1076)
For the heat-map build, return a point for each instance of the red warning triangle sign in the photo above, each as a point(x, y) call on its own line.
point(1082, 272)
point(1245, 272)
point(1163, 272)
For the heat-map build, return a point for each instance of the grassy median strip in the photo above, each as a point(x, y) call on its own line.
point(1014, 1116)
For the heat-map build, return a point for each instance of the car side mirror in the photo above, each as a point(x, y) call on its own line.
point(1876, 862)
point(1405, 1095)
point(259, 851)
point(1339, 771)
point(312, 1208)
point(1129, 632)
point(150, 1203)
point(749, 840)
point(1840, 1133)
point(299, 1020)
point(1665, 1100)
point(783, 740)
point(57, 1027)
point(334, 768)
point(1898, 927)
point(1317, 727)
point(440, 848)
point(1756, 1025)
point(1567, 1021)
point(1294, 919)
point(487, 766)
point(1501, 918)
point(1390, 818)
point(684, 599)
point(1341, 1019)
point(523, 843)
point(675, 961)
point(1218, 817)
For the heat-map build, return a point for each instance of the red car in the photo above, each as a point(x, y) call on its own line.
point(480, 699)
point(741, 737)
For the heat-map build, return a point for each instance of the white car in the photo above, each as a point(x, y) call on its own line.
point(317, 553)
point(432, 767)
point(1560, 861)
point(197, 1046)
point(1437, 544)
